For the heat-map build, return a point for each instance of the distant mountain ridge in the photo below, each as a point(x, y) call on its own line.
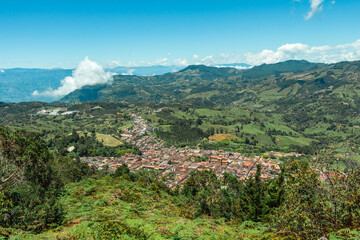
point(195, 82)
point(18, 84)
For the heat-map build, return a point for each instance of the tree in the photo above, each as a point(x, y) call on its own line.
point(122, 170)
point(28, 182)
point(304, 212)
point(254, 197)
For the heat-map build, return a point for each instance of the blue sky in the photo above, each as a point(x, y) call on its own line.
point(54, 33)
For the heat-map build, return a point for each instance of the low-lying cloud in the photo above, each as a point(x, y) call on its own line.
point(129, 72)
point(86, 73)
point(298, 51)
point(289, 51)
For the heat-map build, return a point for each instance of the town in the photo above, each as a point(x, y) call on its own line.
point(178, 163)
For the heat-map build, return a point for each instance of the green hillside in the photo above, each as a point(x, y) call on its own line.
point(295, 88)
point(192, 82)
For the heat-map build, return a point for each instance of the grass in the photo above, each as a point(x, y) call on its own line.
point(278, 127)
point(208, 112)
point(287, 140)
point(205, 95)
point(271, 94)
point(253, 129)
point(108, 140)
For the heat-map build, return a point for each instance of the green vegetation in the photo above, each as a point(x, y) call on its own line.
point(52, 203)
point(47, 193)
point(89, 146)
point(108, 140)
point(32, 180)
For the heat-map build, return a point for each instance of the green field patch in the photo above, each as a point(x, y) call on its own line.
point(207, 112)
point(318, 128)
point(252, 129)
point(239, 112)
point(165, 127)
point(271, 94)
point(221, 137)
point(287, 140)
point(205, 95)
point(280, 128)
point(108, 140)
point(265, 140)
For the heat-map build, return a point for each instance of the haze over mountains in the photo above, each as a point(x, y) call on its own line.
point(269, 86)
point(19, 84)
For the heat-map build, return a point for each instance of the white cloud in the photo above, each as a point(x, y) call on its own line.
point(296, 51)
point(208, 60)
point(287, 51)
point(129, 72)
point(113, 64)
point(86, 73)
point(141, 63)
point(325, 54)
point(162, 61)
point(181, 62)
point(233, 66)
point(316, 7)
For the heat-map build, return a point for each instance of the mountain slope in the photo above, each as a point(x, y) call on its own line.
point(192, 82)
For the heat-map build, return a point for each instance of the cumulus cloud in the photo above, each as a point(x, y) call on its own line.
point(315, 7)
point(296, 51)
point(325, 54)
point(86, 73)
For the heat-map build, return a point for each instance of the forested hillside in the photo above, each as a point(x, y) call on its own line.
point(297, 88)
point(194, 83)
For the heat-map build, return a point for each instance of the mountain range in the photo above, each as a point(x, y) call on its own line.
point(295, 87)
point(18, 84)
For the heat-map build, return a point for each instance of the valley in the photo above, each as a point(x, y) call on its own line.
point(227, 153)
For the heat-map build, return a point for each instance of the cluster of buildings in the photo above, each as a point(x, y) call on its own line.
point(139, 128)
point(177, 164)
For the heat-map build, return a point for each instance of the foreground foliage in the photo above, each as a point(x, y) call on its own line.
point(43, 195)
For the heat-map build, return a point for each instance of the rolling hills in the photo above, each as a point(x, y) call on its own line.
point(195, 81)
point(291, 86)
